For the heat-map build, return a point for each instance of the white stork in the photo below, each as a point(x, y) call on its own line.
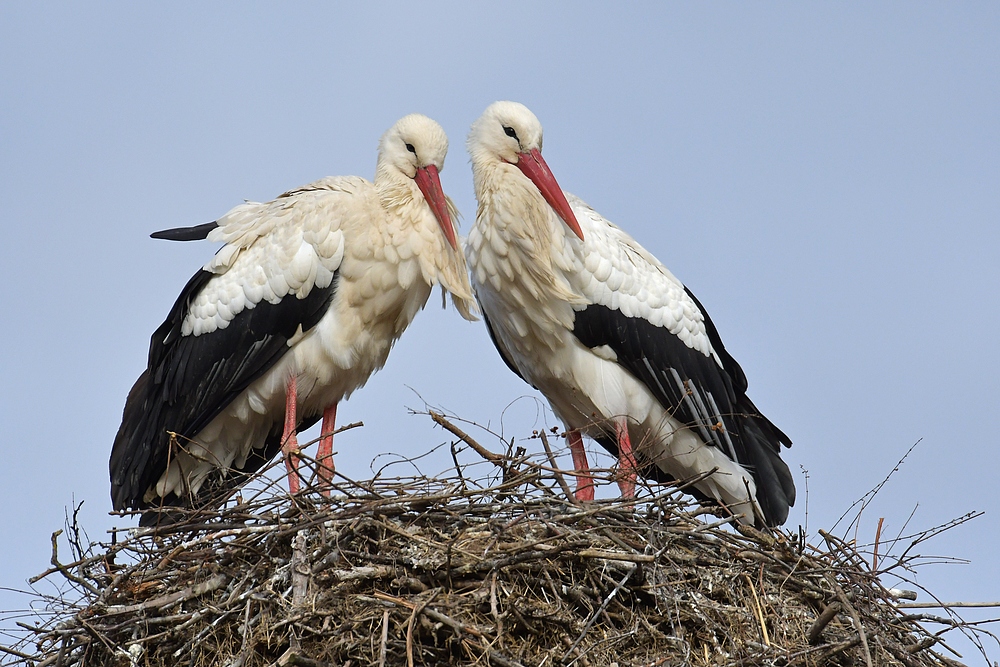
point(298, 308)
point(621, 349)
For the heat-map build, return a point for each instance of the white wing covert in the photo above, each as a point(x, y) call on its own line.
point(273, 250)
point(614, 271)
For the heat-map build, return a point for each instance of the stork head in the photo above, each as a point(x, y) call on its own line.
point(415, 147)
point(509, 132)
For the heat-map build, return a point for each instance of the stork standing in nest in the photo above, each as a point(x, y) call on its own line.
point(296, 311)
point(622, 350)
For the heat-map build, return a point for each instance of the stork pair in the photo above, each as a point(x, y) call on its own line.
point(310, 291)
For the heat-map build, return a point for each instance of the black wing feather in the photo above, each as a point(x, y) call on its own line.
point(191, 379)
point(652, 354)
point(196, 233)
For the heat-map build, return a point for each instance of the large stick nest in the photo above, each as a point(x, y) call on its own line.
point(501, 570)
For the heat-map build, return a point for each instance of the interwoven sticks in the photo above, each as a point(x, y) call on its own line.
point(498, 568)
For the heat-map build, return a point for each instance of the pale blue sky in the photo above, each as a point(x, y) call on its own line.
point(825, 178)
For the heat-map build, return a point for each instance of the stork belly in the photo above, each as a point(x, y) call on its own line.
point(586, 391)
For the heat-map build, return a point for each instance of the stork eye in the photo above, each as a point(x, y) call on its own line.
point(509, 131)
point(410, 148)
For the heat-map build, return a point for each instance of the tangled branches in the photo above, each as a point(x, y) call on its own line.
point(500, 569)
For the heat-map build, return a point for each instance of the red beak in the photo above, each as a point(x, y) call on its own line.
point(430, 184)
point(534, 167)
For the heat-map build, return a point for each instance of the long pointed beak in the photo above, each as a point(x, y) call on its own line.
point(534, 167)
point(430, 184)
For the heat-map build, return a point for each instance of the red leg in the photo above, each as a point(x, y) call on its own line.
point(289, 440)
point(584, 483)
point(324, 456)
point(626, 459)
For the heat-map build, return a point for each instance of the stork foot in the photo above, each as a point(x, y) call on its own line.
point(584, 482)
point(626, 459)
point(324, 456)
point(289, 438)
point(290, 448)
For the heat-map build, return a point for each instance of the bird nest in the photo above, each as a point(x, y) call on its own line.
point(500, 568)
